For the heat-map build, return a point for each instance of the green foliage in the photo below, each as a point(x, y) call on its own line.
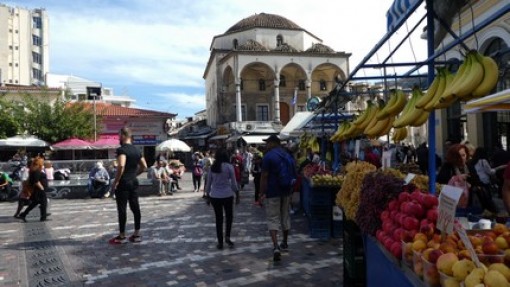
point(52, 123)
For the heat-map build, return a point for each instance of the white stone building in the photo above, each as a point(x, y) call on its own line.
point(263, 70)
point(24, 45)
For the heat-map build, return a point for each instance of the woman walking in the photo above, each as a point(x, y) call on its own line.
point(221, 185)
point(39, 184)
point(198, 171)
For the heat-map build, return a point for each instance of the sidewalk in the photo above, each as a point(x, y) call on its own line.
point(178, 247)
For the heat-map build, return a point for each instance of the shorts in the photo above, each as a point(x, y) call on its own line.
point(277, 213)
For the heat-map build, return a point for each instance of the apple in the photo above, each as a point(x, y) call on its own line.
point(385, 215)
point(403, 207)
point(448, 247)
point(396, 249)
point(434, 255)
point(475, 240)
point(393, 213)
point(393, 205)
point(433, 244)
point(432, 215)
point(445, 263)
point(428, 201)
point(403, 197)
point(464, 254)
point(388, 242)
point(507, 257)
point(420, 236)
point(411, 223)
point(427, 229)
point(416, 196)
point(426, 253)
point(491, 234)
point(412, 233)
point(418, 211)
point(378, 234)
point(397, 235)
point(499, 228)
point(419, 245)
point(489, 247)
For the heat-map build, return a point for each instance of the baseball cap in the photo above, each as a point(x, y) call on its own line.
point(272, 138)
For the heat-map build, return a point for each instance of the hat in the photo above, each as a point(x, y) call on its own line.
point(272, 138)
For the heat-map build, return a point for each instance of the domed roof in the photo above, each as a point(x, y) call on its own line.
point(251, 45)
point(285, 48)
point(320, 48)
point(263, 20)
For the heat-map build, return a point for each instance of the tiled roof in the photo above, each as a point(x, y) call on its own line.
point(251, 45)
point(286, 48)
point(320, 48)
point(118, 111)
point(264, 20)
point(14, 88)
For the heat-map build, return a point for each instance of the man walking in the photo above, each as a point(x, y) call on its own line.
point(130, 164)
point(276, 165)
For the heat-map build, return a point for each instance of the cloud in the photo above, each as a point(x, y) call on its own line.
point(196, 101)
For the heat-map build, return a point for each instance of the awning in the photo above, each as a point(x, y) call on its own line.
point(499, 101)
point(198, 137)
point(255, 139)
point(219, 137)
point(298, 121)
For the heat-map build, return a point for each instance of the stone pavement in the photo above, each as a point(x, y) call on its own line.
point(178, 247)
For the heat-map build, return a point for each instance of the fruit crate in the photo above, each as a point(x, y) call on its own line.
point(320, 228)
point(354, 253)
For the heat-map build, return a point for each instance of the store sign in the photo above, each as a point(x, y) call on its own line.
point(448, 200)
point(144, 139)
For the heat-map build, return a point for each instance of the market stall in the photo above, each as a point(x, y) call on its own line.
point(404, 235)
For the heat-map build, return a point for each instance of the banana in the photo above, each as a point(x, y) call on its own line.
point(429, 95)
point(339, 131)
point(371, 111)
point(411, 113)
point(373, 120)
point(472, 79)
point(384, 112)
point(387, 129)
point(378, 127)
point(399, 105)
point(458, 78)
point(352, 132)
point(490, 77)
point(445, 102)
point(399, 134)
point(421, 120)
point(441, 74)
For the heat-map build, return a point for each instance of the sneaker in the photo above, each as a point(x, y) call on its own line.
point(229, 243)
point(135, 238)
point(284, 246)
point(117, 240)
point(277, 255)
point(107, 194)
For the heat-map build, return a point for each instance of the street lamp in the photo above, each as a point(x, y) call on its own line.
point(94, 92)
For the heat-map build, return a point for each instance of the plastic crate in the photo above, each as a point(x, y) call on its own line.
point(337, 229)
point(323, 211)
point(320, 198)
point(354, 253)
point(320, 229)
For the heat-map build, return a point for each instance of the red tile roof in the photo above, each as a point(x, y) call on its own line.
point(104, 109)
point(10, 87)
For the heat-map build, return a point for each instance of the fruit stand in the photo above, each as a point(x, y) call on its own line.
point(397, 215)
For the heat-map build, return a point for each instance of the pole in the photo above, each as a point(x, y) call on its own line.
point(432, 117)
point(95, 119)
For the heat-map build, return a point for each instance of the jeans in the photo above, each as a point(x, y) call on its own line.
point(123, 195)
point(220, 204)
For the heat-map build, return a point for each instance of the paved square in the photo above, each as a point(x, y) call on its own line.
point(178, 247)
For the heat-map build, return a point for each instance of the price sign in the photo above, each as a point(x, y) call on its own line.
point(448, 200)
point(465, 239)
point(409, 178)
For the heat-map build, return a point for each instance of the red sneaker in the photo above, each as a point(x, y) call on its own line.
point(117, 240)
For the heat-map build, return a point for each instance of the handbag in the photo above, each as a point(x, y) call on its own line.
point(461, 183)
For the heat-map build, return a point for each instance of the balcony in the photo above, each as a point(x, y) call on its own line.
point(253, 127)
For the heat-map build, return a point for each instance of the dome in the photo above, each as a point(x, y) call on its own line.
point(285, 48)
point(264, 20)
point(251, 45)
point(320, 48)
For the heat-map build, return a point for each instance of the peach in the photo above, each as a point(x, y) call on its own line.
point(419, 245)
point(499, 228)
point(490, 248)
point(501, 243)
point(420, 236)
point(448, 247)
point(445, 263)
point(464, 254)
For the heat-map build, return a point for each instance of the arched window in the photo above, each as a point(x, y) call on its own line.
point(283, 82)
point(262, 85)
point(323, 85)
point(234, 44)
point(279, 40)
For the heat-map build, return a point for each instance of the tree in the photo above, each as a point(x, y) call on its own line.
point(50, 122)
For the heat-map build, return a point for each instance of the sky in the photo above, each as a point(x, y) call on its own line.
point(156, 51)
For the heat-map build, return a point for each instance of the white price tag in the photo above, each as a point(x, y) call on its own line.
point(448, 200)
point(465, 239)
point(409, 177)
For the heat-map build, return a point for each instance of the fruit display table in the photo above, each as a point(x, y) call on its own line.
point(382, 269)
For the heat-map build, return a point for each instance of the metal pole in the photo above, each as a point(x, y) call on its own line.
point(95, 120)
point(432, 117)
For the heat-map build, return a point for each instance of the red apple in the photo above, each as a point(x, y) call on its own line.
point(429, 201)
point(393, 205)
point(397, 235)
point(385, 215)
point(490, 248)
point(416, 196)
point(393, 213)
point(432, 215)
point(411, 223)
point(406, 236)
point(418, 211)
point(403, 197)
point(434, 255)
point(396, 249)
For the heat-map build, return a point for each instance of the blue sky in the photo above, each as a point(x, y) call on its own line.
point(156, 51)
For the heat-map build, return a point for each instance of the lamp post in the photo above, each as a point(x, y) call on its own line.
point(94, 92)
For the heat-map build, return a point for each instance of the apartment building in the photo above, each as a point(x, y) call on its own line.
point(24, 45)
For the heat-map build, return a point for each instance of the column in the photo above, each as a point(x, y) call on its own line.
point(276, 116)
point(239, 110)
point(308, 89)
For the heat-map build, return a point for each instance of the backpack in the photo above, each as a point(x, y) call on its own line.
point(286, 172)
point(198, 171)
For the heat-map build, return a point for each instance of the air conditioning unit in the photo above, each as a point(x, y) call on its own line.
point(249, 127)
